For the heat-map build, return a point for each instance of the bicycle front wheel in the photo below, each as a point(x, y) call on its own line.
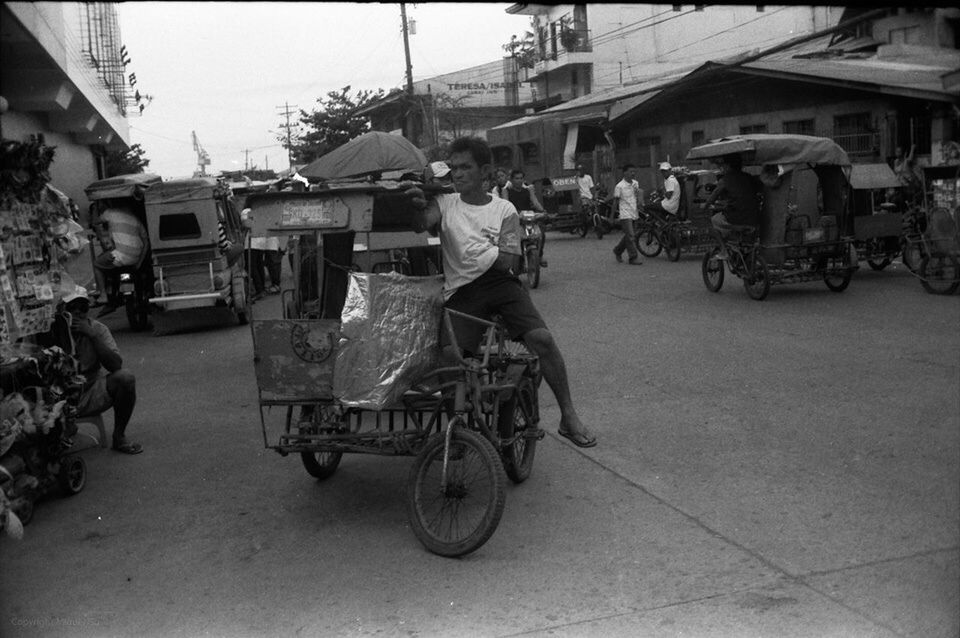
point(532, 271)
point(517, 417)
point(459, 518)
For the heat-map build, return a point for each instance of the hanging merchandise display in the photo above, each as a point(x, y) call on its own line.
point(40, 386)
point(37, 235)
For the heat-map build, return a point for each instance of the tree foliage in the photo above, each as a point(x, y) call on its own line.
point(126, 162)
point(331, 124)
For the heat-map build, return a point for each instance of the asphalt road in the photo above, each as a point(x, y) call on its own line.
point(785, 468)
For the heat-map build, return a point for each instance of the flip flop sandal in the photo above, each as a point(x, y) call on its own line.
point(128, 448)
point(580, 440)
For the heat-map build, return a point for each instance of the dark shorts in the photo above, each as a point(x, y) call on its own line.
point(493, 293)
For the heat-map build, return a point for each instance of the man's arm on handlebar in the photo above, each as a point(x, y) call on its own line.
point(426, 216)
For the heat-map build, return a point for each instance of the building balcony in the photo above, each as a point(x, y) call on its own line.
point(569, 47)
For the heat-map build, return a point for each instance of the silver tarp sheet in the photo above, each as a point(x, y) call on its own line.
point(389, 333)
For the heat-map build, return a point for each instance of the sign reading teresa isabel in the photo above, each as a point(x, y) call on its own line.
point(330, 213)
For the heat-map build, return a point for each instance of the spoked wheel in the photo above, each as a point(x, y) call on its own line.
point(584, 227)
point(241, 303)
point(137, 307)
point(598, 227)
point(319, 465)
point(532, 272)
point(517, 416)
point(73, 474)
point(712, 269)
point(911, 254)
point(940, 274)
point(456, 519)
point(648, 243)
point(838, 282)
point(756, 280)
point(670, 238)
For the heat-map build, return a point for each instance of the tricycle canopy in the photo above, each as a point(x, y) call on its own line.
point(180, 190)
point(870, 176)
point(762, 148)
point(131, 185)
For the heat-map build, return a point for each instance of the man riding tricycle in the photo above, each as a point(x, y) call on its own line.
point(788, 223)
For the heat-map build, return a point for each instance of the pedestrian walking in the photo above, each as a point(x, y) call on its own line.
point(626, 197)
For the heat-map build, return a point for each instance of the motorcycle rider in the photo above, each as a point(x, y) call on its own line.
point(522, 197)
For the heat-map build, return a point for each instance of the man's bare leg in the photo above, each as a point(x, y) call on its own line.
point(541, 343)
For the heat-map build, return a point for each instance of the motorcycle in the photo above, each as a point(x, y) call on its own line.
point(531, 244)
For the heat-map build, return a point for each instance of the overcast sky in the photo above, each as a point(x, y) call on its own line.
point(223, 69)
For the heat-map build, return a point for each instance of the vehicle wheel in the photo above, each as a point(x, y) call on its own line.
point(878, 265)
point(532, 271)
point(712, 269)
point(238, 291)
point(648, 243)
point(73, 474)
point(463, 516)
point(940, 274)
point(517, 415)
point(670, 238)
point(138, 314)
point(911, 254)
point(838, 283)
point(319, 465)
point(757, 280)
point(598, 229)
point(584, 227)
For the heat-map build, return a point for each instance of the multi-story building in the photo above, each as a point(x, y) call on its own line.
point(64, 75)
point(577, 49)
point(881, 78)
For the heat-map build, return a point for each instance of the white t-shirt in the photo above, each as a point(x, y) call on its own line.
point(627, 194)
point(472, 236)
point(671, 204)
point(585, 183)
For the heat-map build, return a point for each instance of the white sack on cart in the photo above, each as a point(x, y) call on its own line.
point(388, 337)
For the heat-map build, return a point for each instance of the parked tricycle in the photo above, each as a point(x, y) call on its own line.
point(804, 219)
point(353, 364)
point(937, 244)
point(197, 245)
point(878, 227)
point(129, 286)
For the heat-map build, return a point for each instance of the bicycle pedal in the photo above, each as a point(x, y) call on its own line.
point(535, 434)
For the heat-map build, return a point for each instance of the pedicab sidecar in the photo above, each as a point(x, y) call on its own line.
point(352, 364)
point(805, 231)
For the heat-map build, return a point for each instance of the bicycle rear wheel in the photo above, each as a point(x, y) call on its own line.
point(461, 517)
point(517, 416)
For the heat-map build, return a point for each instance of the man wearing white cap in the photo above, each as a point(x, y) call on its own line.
point(671, 191)
point(107, 384)
point(437, 173)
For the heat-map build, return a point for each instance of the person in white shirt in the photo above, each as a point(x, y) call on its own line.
point(626, 197)
point(480, 243)
point(586, 185)
point(671, 192)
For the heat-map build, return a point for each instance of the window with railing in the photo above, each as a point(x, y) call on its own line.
point(854, 133)
point(648, 150)
point(750, 129)
point(530, 153)
point(697, 138)
point(799, 127)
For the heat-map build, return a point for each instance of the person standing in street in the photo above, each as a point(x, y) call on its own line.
point(626, 196)
point(480, 242)
point(500, 187)
point(124, 240)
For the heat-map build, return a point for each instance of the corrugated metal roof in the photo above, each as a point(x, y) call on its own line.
point(890, 74)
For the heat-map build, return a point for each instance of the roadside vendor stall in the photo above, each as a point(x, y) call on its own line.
point(39, 385)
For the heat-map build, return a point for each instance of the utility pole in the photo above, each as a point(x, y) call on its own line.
point(288, 111)
point(411, 133)
point(246, 159)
